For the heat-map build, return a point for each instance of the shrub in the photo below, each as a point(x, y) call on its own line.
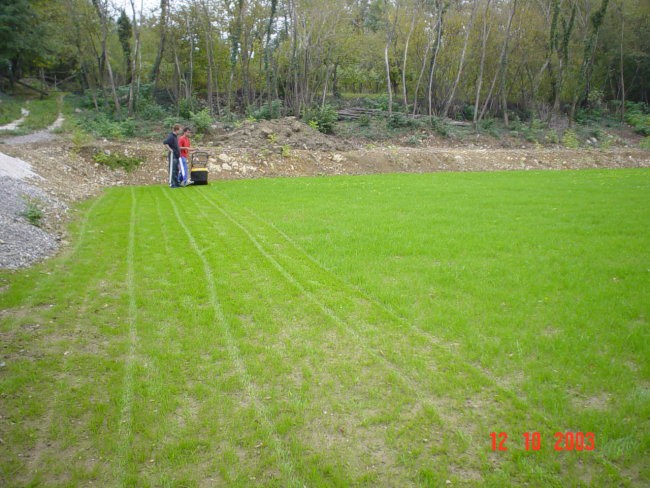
point(32, 212)
point(150, 110)
point(202, 120)
point(398, 120)
point(102, 125)
point(638, 116)
point(381, 103)
point(186, 106)
point(364, 120)
point(268, 111)
point(413, 141)
point(115, 160)
point(570, 139)
point(468, 112)
point(324, 117)
point(552, 137)
point(439, 126)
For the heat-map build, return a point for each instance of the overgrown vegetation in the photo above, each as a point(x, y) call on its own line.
point(116, 160)
point(638, 116)
point(9, 109)
point(578, 58)
point(321, 118)
point(32, 212)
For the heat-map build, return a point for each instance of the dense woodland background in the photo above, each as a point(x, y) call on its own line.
point(473, 59)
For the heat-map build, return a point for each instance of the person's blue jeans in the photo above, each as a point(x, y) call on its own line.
point(183, 176)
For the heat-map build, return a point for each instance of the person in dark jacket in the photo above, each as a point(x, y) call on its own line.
point(174, 154)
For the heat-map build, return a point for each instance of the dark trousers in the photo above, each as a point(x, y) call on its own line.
point(173, 170)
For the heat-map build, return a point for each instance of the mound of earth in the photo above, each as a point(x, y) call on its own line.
point(273, 135)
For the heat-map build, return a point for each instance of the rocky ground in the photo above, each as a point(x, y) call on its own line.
point(64, 173)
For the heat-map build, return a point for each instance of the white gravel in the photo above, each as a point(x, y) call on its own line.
point(15, 168)
point(21, 242)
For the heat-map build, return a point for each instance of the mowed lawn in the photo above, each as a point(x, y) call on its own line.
point(344, 331)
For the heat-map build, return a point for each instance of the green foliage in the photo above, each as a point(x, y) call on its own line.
point(124, 32)
point(202, 121)
point(186, 106)
point(9, 110)
point(468, 112)
point(324, 117)
point(267, 112)
point(552, 136)
point(42, 113)
point(645, 143)
point(364, 120)
point(115, 160)
point(101, 124)
point(381, 103)
point(32, 212)
point(439, 126)
point(398, 120)
point(22, 43)
point(489, 126)
point(570, 139)
point(534, 131)
point(414, 140)
point(638, 116)
point(79, 138)
point(149, 110)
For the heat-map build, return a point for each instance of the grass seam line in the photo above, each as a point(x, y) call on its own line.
point(126, 414)
point(409, 382)
point(286, 463)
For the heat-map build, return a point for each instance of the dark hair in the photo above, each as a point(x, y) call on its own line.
point(187, 129)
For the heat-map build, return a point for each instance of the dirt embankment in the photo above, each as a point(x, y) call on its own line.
point(288, 147)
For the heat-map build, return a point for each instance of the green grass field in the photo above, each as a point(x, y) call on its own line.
point(346, 331)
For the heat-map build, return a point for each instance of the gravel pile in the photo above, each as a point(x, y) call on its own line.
point(21, 242)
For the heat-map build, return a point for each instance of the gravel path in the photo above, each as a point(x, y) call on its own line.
point(39, 136)
point(16, 123)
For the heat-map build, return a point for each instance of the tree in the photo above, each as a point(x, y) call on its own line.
point(21, 39)
point(125, 32)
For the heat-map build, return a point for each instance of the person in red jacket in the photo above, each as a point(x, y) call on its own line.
point(184, 144)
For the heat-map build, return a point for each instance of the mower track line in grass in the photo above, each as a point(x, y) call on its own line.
point(287, 466)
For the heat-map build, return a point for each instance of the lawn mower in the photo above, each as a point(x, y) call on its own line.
point(199, 169)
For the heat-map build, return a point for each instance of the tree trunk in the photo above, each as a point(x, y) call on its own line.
point(406, 50)
point(210, 56)
point(621, 66)
point(461, 63)
point(190, 81)
point(479, 80)
point(155, 70)
point(430, 42)
point(434, 57)
point(104, 60)
point(116, 99)
point(390, 33)
point(586, 70)
point(134, 61)
point(267, 54)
